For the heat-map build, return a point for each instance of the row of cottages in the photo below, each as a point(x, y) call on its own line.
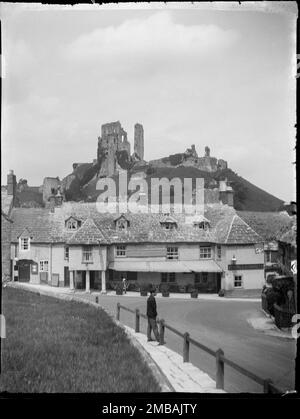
point(76, 246)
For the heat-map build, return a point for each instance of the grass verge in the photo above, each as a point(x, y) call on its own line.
point(67, 347)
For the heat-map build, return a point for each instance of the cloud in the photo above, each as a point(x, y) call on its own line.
point(155, 40)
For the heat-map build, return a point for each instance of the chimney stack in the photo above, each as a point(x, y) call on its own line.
point(11, 183)
point(225, 193)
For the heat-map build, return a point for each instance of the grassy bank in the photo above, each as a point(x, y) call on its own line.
point(62, 346)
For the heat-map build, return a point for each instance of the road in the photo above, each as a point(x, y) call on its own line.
point(220, 324)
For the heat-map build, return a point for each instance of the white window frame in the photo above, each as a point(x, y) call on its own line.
point(72, 225)
point(122, 225)
point(87, 254)
point(172, 253)
point(44, 265)
point(66, 253)
point(120, 251)
point(239, 280)
point(22, 247)
point(205, 252)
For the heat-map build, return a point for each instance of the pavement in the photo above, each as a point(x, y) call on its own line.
point(171, 372)
point(265, 323)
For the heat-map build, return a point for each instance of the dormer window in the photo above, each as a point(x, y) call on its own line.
point(168, 222)
point(121, 223)
point(72, 224)
point(202, 225)
point(169, 226)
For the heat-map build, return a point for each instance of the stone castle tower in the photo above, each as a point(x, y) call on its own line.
point(139, 141)
point(113, 140)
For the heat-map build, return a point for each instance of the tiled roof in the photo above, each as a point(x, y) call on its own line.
point(269, 225)
point(88, 233)
point(46, 226)
point(240, 232)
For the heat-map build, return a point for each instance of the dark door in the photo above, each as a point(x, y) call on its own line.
point(24, 271)
point(66, 276)
point(218, 281)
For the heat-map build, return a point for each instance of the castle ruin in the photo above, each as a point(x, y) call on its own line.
point(114, 153)
point(113, 140)
point(139, 141)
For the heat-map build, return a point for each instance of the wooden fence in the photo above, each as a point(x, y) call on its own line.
point(221, 360)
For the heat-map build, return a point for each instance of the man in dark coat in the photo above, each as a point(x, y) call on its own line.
point(151, 314)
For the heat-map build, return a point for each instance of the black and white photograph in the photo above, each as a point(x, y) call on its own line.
point(148, 201)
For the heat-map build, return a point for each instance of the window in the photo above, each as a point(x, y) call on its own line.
point(201, 277)
point(168, 277)
point(205, 252)
point(238, 282)
point(204, 277)
point(121, 225)
point(25, 243)
point(172, 252)
point(66, 253)
point(203, 225)
point(44, 265)
point(268, 256)
point(170, 226)
point(72, 225)
point(219, 251)
point(121, 251)
point(87, 254)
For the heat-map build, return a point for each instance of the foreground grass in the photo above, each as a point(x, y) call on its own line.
point(62, 346)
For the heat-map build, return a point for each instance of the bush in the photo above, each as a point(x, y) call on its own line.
point(194, 293)
point(221, 293)
point(119, 289)
point(144, 290)
point(189, 288)
point(174, 288)
point(165, 290)
point(133, 287)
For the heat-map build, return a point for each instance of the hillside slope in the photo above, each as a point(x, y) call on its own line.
point(247, 197)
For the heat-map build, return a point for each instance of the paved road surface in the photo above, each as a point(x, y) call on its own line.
point(220, 324)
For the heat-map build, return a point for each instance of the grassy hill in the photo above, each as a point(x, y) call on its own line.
point(247, 197)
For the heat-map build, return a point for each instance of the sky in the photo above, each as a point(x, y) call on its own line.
point(203, 74)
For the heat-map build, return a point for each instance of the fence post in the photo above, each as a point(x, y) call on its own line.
point(186, 347)
point(118, 311)
point(220, 369)
point(137, 320)
point(97, 299)
point(267, 388)
point(162, 331)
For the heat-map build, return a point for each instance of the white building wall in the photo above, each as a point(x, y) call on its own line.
point(99, 259)
point(245, 255)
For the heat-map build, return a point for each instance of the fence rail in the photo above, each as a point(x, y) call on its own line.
point(221, 360)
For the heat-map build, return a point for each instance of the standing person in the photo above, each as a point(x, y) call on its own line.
point(151, 314)
point(124, 285)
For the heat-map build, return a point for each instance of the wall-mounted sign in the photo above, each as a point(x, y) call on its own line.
point(247, 266)
point(294, 266)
